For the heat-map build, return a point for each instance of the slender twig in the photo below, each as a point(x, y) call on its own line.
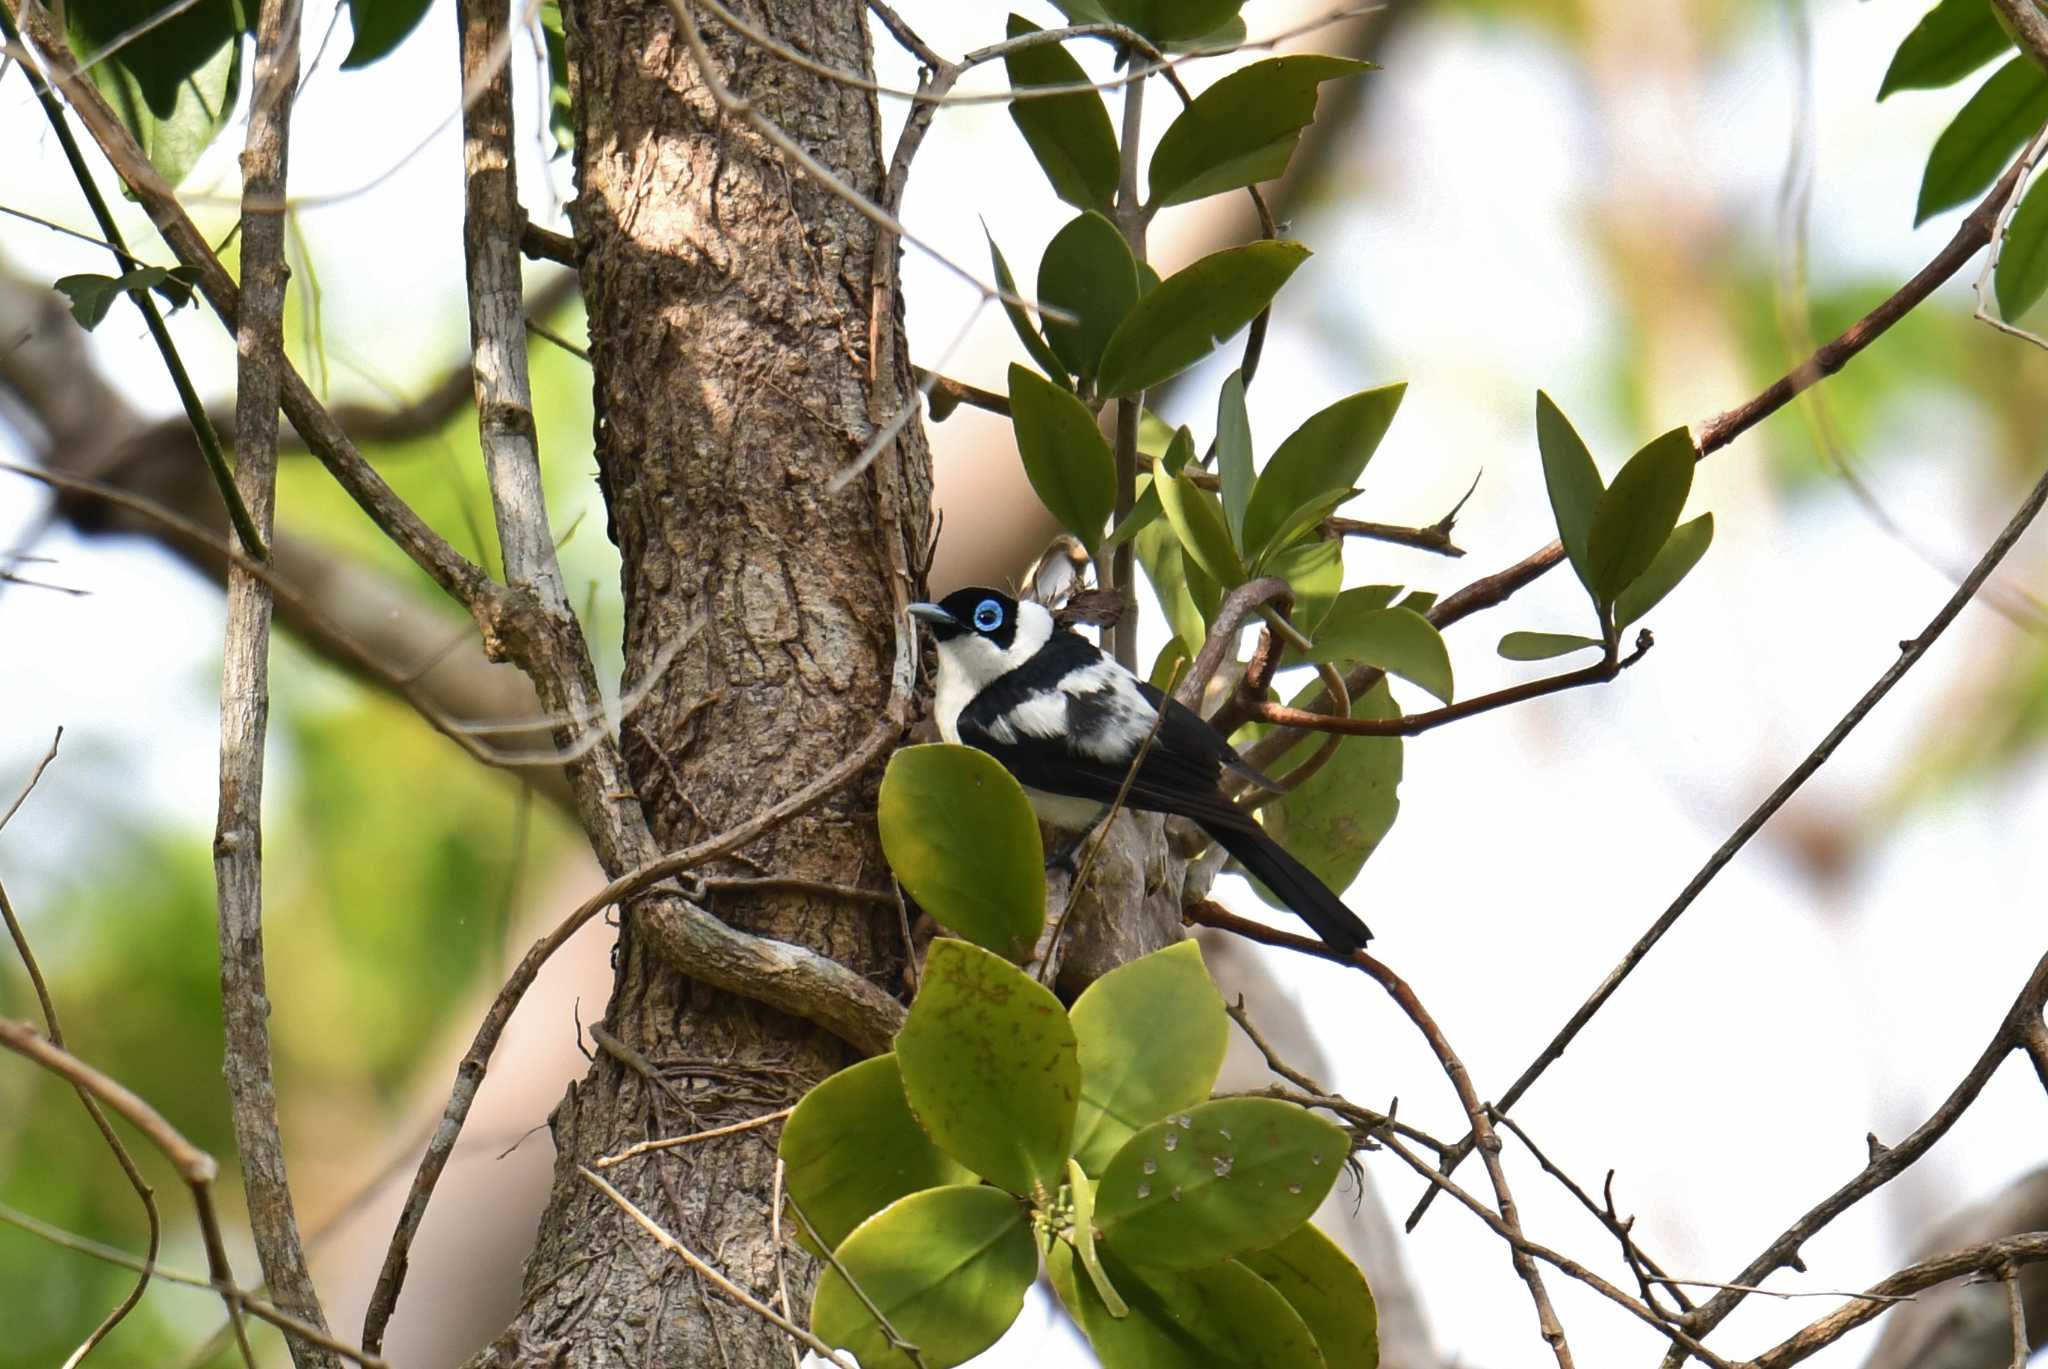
point(1436, 537)
point(243, 1298)
point(705, 1271)
point(34, 777)
point(1209, 914)
point(2016, 1314)
point(671, 1142)
point(1992, 1257)
point(782, 1297)
point(889, 1332)
point(1118, 574)
point(1910, 655)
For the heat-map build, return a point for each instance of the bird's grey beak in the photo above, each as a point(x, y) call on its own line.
point(932, 613)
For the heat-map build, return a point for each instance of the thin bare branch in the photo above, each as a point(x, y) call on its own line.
point(671, 1142)
point(34, 777)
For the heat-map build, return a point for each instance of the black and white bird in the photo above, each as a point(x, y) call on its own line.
point(1067, 721)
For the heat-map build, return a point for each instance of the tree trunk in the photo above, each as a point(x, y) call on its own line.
point(729, 300)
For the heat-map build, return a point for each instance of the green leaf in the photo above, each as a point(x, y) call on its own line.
point(1143, 511)
point(1301, 525)
point(1418, 601)
point(1242, 130)
point(1333, 820)
point(1326, 453)
point(1160, 554)
point(1172, 21)
point(1315, 570)
point(1226, 37)
point(989, 1067)
point(561, 112)
point(1197, 520)
point(1572, 480)
point(1541, 646)
point(1321, 1283)
point(1193, 312)
point(175, 87)
point(1399, 641)
point(380, 26)
point(1222, 1317)
point(1179, 452)
point(948, 1267)
point(1974, 148)
point(1064, 454)
point(1069, 134)
point(1638, 512)
point(1952, 40)
point(1681, 552)
point(1081, 1191)
point(2022, 273)
point(1020, 319)
point(1168, 665)
point(960, 834)
point(1087, 271)
point(1234, 454)
point(1216, 1180)
point(851, 1148)
point(1151, 1036)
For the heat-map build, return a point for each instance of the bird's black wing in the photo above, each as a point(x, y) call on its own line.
point(1192, 735)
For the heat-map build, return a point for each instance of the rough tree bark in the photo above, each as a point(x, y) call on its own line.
point(729, 321)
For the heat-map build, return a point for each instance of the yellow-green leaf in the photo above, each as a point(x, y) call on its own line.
point(1321, 1283)
point(1087, 272)
point(960, 834)
point(1151, 1037)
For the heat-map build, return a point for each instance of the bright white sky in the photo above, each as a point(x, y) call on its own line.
point(1732, 1081)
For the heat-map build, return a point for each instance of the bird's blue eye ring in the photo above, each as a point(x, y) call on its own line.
point(989, 616)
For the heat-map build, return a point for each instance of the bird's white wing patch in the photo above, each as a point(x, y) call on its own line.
point(1108, 717)
point(1041, 715)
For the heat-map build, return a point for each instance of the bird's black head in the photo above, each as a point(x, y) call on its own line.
point(976, 610)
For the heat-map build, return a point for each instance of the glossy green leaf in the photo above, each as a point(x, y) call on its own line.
point(1087, 271)
point(1160, 554)
point(1020, 318)
point(960, 834)
point(1234, 454)
point(1151, 1036)
point(851, 1148)
point(1328, 452)
point(1951, 40)
point(989, 1067)
point(1197, 520)
point(1216, 1180)
point(1572, 480)
point(1222, 1317)
point(2022, 273)
point(1315, 571)
point(1321, 1283)
point(1638, 512)
point(1070, 134)
point(1193, 312)
point(380, 26)
point(1681, 552)
point(1994, 124)
point(1399, 641)
point(1333, 820)
point(1064, 454)
point(1541, 646)
point(1081, 1193)
point(1172, 21)
point(947, 1267)
point(1243, 129)
point(175, 87)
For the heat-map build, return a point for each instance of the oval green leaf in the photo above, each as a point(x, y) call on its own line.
point(1321, 1283)
point(380, 26)
point(1172, 21)
point(2022, 273)
point(1951, 40)
point(1150, 1036)
point(1222, 1317)
point(989, 1068)
point(1069, 134)
point(1327, 453)
point(1977, 144)
point(1069, 463)
point(1399, 641)
point(948, 1267)
point(1635, 516)
point(1192, 313)
point(960, 834)
point(1541, 646)
point(1234, 453)
point(1315, 571)
point(1334, 820)
point(174, 91)
point(1571, 478)
point(1020, 318)
point(851, 1148)
point(1160, 554)
point(1197, 520)
point(1243, 129)
point(1682, 551)
point(1216, 1180)
point(1087, 271)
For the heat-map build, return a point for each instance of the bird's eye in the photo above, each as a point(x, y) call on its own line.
point(989, 616)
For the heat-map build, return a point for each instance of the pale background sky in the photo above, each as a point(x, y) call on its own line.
point(1732, 1081)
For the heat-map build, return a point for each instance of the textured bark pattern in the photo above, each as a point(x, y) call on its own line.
point(729, 322)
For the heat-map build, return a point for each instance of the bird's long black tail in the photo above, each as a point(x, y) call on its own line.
point(1293, 883)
